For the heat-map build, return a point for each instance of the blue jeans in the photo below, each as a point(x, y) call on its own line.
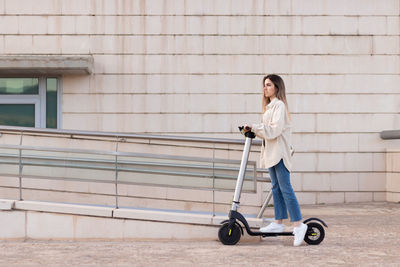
point(282, 191)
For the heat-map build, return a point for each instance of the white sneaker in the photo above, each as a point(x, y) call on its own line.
point(299, 233)
point(273, 228)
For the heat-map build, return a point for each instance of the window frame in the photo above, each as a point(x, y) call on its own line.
point(38, 100)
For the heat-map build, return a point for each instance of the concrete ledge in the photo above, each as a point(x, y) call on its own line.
point(6, 204)
point(64, 208)
point(50, 65)
point(170, 216)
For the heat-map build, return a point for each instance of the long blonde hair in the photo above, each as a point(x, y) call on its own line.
point(280, 91)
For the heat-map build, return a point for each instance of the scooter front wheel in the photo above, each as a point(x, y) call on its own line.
point(315, 233)
point(229, 235)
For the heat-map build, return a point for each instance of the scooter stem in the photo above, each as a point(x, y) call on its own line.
point(242, 171)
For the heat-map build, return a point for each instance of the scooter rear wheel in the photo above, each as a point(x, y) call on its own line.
point(315, 233)
point(229, 235)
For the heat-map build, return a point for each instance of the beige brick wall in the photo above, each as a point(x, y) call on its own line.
point(195, 67)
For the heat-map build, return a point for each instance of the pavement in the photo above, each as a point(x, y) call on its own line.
point(362, 234)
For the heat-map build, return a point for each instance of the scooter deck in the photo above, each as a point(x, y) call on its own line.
point(270, 234)
point(275, 234)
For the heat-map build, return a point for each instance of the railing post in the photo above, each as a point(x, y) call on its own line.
point(255, 176)
point(20, 165)
point(213, 188)
point(116, 173)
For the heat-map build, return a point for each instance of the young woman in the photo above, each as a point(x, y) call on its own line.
point(276, 156)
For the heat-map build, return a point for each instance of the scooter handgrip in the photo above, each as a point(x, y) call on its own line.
point(247, 128)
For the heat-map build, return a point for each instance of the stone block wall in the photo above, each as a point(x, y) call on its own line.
point(393, 176)
point(189, 67)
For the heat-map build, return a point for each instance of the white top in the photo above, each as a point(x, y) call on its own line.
point(275, 129)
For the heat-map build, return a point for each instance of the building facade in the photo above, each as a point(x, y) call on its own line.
point(188, 67)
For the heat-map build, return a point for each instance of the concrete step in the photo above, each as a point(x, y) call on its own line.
point(49, 220)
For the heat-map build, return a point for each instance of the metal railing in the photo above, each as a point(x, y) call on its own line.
point(124, 167)
point(76, 133)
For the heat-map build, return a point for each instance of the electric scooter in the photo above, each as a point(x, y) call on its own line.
point(231, 230)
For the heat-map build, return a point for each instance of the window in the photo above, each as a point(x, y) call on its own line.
point(30, 102)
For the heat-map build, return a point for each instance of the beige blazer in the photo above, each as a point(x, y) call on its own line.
point(275, 129)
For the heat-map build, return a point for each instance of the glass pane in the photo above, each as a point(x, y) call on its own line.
point(51, 103)
point(24, 86)
point(17, 115)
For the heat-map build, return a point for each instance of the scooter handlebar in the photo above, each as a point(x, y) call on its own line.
point(241, 128)
point(246, 133)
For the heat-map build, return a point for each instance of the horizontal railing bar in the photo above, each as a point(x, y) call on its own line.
point(119, 182)
point(192, 174)
point(119, 168)
point(159, 164)
point(390, 134)
point(184, 187)
point(183, 158)
point(65, 150)
point(68, 179)
point(125, 135)
point(112, 168)
point(123, 154)
point(263, 179)
point(136, 170)
point(9, 161)
point(258, 170)
point(126, 183)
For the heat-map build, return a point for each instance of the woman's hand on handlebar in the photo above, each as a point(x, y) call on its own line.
point(246, 128)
